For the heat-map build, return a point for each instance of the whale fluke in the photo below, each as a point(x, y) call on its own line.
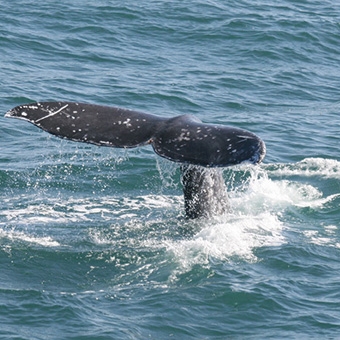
point(183, 139)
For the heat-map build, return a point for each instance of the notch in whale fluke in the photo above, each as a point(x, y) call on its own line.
point(183, 139)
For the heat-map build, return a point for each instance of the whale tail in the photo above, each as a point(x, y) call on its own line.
point(183, 139)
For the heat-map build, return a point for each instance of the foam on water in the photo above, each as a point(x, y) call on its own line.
point(275, 195)
point(13, 235)
point(328, 168)
point(234, 239)
point(258, 218)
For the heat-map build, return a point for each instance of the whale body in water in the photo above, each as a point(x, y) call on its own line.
point(201, 149)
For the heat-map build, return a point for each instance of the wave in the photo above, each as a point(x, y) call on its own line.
point(321, 167)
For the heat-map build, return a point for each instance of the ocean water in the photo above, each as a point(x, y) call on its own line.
point(93, 241)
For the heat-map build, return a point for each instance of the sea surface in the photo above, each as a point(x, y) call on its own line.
point(93, 240)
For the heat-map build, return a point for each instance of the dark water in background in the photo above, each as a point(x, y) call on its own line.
point(93, 244)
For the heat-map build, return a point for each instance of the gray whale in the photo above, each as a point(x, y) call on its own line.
point(200, 148)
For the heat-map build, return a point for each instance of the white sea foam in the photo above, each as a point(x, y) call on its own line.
point(14, 235)
point(275, 195)
point(328, 168)
point(325, 236)
point(237, 236)
point(257, 218)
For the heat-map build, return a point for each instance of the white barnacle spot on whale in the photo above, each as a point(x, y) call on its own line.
point(104, 142)
point(127, 122)
point(183, 136)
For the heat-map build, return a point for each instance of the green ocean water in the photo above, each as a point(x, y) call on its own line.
point(93, 241)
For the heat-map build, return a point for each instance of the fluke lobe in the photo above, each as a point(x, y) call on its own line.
point(185, 139)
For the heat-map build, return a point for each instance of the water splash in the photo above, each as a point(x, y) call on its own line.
point(262, 204)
